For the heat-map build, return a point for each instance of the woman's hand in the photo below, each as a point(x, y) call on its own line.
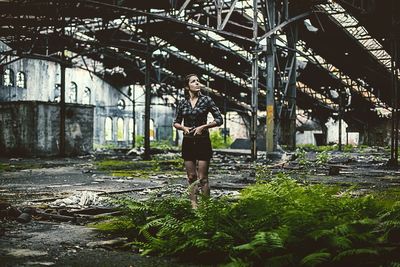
point(186, 130)
point(198, 130)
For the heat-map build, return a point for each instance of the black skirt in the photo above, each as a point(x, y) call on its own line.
point(198, 148)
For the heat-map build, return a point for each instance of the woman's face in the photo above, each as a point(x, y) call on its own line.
point(194, 84)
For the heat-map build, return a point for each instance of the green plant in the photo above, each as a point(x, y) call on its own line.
point(301, 156)
point(348, 148)
point(217, 140)
point(139, 141)
point(276, 223)
point(163, 144)
point(323, 157)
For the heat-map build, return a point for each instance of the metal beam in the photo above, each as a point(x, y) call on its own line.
point(193, 26)
point(270, 77)
point(183, 7)
point(147, 97)
point(283, 24)
point(254, 88)
point(227, 16)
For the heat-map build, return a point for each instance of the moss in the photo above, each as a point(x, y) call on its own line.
point(17, 166)
point(142, 169)
point(124, 165)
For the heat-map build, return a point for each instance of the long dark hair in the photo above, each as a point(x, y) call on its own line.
point(186, 84)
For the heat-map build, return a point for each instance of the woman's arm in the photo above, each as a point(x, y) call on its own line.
point(217, 119)
point(179, 126)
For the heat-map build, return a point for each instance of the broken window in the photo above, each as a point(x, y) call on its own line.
point(57, 93)
point(120, 129)
point(86, 96)
point(8, 77)
point(108, 129)
point(152, 130)
point(130, 91)
point(121, 104)
point(130, 129)
point(73, 93)
point(21, 82)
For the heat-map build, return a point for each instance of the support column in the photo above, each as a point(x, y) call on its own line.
point(62, 108)
point(254, 88)
point(270, 135)
point(395, 105)
point(292, 36)
point(340, 115)
point(134, 117)
point(147, 96)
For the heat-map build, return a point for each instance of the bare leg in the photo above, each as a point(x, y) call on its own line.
point(191, 172)
point(203, 177)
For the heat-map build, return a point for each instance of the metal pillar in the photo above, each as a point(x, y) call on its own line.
point(134, 118)
point(254, 88)
point(62, 108)
point(395, 105)
point(340, 118)
point(292, 36)
point(270, 80)
point(147, 97)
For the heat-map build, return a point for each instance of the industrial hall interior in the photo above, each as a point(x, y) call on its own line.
point(199, 133)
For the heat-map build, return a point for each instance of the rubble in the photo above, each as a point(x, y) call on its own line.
point(76, 194)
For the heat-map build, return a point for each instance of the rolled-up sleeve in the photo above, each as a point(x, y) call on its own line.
point(178, 113)
point(216, 113)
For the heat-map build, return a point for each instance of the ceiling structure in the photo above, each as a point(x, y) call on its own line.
point(343, 46)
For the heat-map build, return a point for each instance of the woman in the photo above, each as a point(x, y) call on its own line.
point(196, 144)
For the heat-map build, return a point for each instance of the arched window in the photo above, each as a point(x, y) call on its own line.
point(86, 96)
point(120, 129)
point(130, 91)
point(152, 130)
point(108, 129)
point(8, 77)
point(73, 93)
point(21, 81)
point(121, 104)
point(57, 93)
point(130, 129)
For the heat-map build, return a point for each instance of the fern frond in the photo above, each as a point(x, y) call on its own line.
point(343, 229)
point(279, 261)
point(355, 252)
point(315, 259)
point(320, 233)
point(340, 242)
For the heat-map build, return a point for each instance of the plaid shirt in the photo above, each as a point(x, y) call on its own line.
point(197, 116)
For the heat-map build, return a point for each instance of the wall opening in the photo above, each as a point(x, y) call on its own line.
point(108, 129)
point(21, 80)
point(73, 93)
point(120, 129)
point(86, 96)
point(8, 77)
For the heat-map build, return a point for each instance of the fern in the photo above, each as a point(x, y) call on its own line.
point(358, 252)
point(315, 259)
point(275, 223)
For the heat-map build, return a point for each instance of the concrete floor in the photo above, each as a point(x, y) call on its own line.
point(52, 184)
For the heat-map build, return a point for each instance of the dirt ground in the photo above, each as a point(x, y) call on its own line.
point(75, 187)
point(66, 194)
